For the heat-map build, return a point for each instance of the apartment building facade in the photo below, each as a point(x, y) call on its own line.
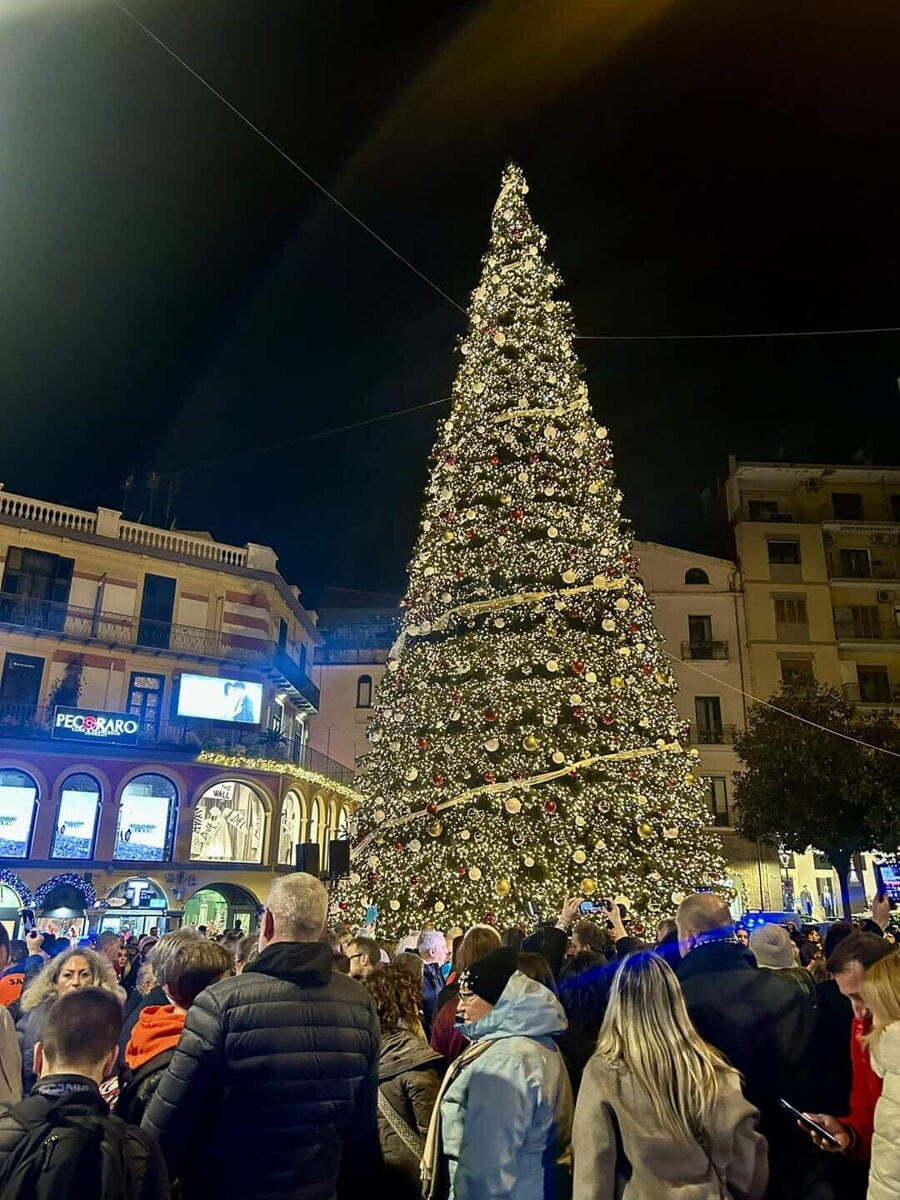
point(155, 694)
point(819, 552)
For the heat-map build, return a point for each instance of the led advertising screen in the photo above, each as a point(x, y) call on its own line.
point(215, 699)
point(143, 826)
point(74, 835)
point(16, 813)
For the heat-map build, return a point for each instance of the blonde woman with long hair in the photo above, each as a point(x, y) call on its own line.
point(660, 1113)
point(881, 993)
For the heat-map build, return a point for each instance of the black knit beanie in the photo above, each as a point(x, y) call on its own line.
point(489, 976)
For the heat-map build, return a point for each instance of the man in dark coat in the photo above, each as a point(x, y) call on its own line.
point(283, 1056)
point(765, 1027)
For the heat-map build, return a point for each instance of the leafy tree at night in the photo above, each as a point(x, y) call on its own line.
point(805, 786)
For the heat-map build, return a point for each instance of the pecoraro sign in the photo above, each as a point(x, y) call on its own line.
point(90, 724)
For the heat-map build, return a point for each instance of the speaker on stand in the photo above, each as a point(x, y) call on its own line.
point(306, 858)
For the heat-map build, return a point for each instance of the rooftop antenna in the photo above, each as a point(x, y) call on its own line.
point(152, 487)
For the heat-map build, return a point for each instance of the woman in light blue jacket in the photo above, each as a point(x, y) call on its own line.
point(503, 1121)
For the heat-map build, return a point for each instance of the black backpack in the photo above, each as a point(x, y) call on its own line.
point(68, 1153)
point(136, 1088)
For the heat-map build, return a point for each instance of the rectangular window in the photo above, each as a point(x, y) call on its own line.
point(36, 588)
point(710, 731)
point(157, 607)
point(797, 670)
point(874, 685)
point(855, 564)
point(866, 623)
point(700, 635)
point(20, 686)
point(784, 552)
point(145, 695)
point(717, 799)
point(762, 510)
point(282, 633)
point(847, 506)
point(790, 610)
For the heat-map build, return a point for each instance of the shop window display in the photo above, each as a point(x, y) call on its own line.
point(229, 824)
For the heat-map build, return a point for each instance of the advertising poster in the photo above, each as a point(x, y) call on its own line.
point(74, 833)
point(228, 825)
point(16, 814)
point(143, 825)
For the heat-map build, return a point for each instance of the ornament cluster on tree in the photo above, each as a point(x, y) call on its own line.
point(525, 743)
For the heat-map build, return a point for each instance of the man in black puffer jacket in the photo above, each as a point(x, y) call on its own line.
point(282, 1058)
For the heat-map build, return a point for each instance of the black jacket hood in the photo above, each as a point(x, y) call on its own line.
point(307, 964)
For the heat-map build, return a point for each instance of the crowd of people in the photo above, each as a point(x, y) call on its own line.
point(570, 1060)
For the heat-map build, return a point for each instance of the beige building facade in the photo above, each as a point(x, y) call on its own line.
point(155, 695)
point(819, 553)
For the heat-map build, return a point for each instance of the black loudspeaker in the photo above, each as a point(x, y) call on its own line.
point(339, 858)
point(306, 857)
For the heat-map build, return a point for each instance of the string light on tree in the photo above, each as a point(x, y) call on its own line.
point(525, 733)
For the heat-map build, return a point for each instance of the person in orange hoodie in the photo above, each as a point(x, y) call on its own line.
point(194, 966)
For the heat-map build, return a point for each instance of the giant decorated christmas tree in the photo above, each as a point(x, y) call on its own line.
point(525, 743)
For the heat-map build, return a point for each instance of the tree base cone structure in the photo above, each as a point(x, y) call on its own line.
point(525, 742)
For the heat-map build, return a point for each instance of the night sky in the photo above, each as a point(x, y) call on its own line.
point(174, 293)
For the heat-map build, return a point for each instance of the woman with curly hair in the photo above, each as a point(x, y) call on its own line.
point(76, 968)
point(409, 1074)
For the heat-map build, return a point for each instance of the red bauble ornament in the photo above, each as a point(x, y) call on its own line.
point(488, 777)
point(459, 572)
point(638, 927)
point(495, 459)
point(517, 775)
point(372, 877)
point(456, 697)
point(470, 533)
point(517, 233)
point(518, 514)
point(578, 711)
point(533, 458)
point(398, 846)
point(550, 806)
point(578, 666)
point(437, 779)
point(451, 459)
point(489, 918)
point(607, 718)
point(646, 669)
point(344, 905)
point(446, 516)
point(462, 870)
point(414, 881)
point(490, 714)
point(431, 808)
point(423, 743)
point(632, 628)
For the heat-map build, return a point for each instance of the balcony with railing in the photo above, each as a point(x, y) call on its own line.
point(795, 512)
point(704, 650)
point(115, 630)
point(876, 693)
point(356, 644)
point(855, 566)
point(866, 625)
point(716, 735)
point(34, 721)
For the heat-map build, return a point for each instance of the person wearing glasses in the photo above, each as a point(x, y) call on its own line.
point(365, 957)
point(502, 1123)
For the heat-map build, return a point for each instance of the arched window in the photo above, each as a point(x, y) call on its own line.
point(76, 818)
point(364, 691)
point(695, 575)
point(289, 831)
point(318, 830)
point(146, 825)
point(343, 825)
point(229, 824)
point(18, 804)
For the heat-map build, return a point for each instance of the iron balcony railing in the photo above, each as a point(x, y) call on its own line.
point(872, 694)
point(720, 735)
point(704, 650)
point(156, 637)
point(866, 630)
point(861, 567)
point(186, 737)
point(778, 512)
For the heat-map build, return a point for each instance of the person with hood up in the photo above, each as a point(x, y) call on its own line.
point(409, 1076)
point(881, 993)
point(502, 1124)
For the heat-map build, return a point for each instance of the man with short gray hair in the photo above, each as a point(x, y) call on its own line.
point(432, 949)
point(286, 1053)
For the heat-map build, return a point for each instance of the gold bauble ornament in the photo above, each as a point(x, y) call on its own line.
point(645, 830)
point(530, 743)
point(502, 887)
point(617, 681)
point(579, 856)
point(575, 699)
point(448, 535)
point(439, 906)
point(589, 886)
point(558, 757)
point(414, 846)
point(608, 624)
point(492, 744)
point(379, 814)
point(395, 906)
point(569, 576)
point(411, 774)
point(474, 874)
point(690, 777)
point(465, 834)
point(580, 821)
point(622, 604)
point(435, 829)
point(552, 665)
point(513, 805)
point(660, 678)
point(671, 834)
point(528, 860)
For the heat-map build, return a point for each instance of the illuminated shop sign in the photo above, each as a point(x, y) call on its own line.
point(92, 725)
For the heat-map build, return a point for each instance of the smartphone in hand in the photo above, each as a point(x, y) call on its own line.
point(811, 1125)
